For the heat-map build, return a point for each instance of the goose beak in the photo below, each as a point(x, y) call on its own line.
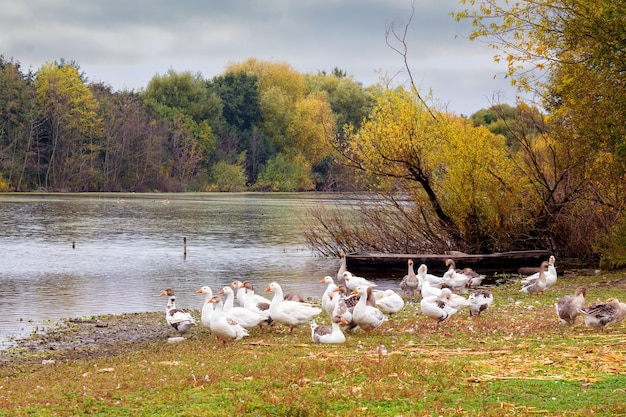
point(268, 289)
point(354, 292)
point(162, 294)
point(199, 291)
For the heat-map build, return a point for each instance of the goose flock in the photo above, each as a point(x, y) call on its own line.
point(352, 302)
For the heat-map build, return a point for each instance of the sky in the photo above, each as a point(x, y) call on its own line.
point(124, 43)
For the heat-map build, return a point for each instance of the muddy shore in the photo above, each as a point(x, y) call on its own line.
point(78, 338)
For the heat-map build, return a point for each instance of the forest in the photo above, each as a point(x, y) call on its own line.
point(548, 174)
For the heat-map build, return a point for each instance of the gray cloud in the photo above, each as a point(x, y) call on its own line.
point(125, 43)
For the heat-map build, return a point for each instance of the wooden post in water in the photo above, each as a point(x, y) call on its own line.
point(73, 244)
point(184, 247)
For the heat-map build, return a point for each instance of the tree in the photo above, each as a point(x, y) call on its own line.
point(571, 54)
point(184, 102)
point(133, 143)
point(72, 125)
point(18, 123)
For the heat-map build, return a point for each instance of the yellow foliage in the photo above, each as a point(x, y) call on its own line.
point(313, 128)
point(66, 100)
point(468, 168)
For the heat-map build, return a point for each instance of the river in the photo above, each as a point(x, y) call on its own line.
point(77, 255)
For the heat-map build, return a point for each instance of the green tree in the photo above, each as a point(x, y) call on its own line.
point(184, 101)
point(285, 174)
point(18, 123)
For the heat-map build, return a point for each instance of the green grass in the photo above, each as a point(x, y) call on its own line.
point(515, 360)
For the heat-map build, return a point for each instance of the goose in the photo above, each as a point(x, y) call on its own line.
point(475, 279)
point(294, 296)
point(289, 313)
point(390, 302)
point(479, 301)
point(328, 334)
point(453, 278)
point(366, 316)
point(342, 266)
point(428, 290)
point(328, 301)
point(551, 274)
point(246, 318)
point(455, 301)
point(207, 308)
point(352, 281)
point(179, 319)
point(250, 303)
point(344, 307)
point(224, 326)
point(244, 288)
point(568, 306)
point(436, 308)
point(539, 285)
point(410, 282)
point(250, 298)
point(599, 316)
point(434, 280)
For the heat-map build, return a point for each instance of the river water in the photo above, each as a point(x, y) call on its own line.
point(76, 255)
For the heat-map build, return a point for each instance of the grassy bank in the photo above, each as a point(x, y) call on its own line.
point(514, 360)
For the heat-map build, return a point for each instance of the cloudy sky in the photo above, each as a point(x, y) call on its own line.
point(124, 43)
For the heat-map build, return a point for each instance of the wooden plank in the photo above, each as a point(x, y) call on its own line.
point(395, 264)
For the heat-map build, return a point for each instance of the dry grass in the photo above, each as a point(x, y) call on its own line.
point(514, 360)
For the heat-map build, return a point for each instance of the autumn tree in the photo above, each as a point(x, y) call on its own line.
point(296, 122)
point(571, 55)
point(133, 145)
point(72, 126)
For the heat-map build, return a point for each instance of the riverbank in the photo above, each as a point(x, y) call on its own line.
point(515, 359)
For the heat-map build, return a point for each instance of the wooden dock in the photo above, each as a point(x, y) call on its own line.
point(395, 265)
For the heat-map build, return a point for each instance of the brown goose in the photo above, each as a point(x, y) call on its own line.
point(568, 306)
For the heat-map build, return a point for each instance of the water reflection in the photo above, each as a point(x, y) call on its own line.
point(67, 256)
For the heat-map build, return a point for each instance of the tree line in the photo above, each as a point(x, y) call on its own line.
point(258, 126)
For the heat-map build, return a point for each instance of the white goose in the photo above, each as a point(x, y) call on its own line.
point(479, 301)
point(436, 308)
point(223, 326)
point(244, 288)
point(328, 334)
point(290, 313)
point(428, 290)
point(207, 307)
point(434, 280)
point(410, 282)
point(475, 279)
point(453, 278)
point(551, 274)
point(179, 319)
point(390, 302)
point(328, 301)
point(568, 306)
point(352, 281)
point(365, 316)
point(247, 318)
point(251, 302)
point(455, 301)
